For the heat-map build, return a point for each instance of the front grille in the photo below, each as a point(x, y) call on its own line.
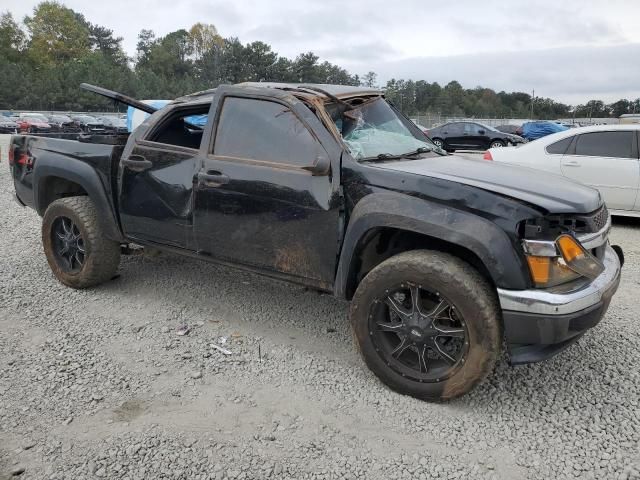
point(599, 219)
point(553, 225)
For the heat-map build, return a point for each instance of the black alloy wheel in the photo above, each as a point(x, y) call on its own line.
point(418, 333)
point(68, 245)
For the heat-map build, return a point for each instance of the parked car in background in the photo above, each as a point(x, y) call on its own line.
point(8, 126)
point(63, 123)
point(33, 125)
point(89, 124)
point(470, 136)
point(114, 124)
point(541, 128)
point(604, 157)
point(41, 116)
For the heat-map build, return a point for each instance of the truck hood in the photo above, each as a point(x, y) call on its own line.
point(551, 192)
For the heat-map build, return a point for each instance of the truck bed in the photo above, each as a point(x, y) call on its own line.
point(35, 156)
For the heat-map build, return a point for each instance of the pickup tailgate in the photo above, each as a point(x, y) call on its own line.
point(33, 158)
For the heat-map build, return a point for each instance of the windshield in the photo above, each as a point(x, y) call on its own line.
point(375, 128)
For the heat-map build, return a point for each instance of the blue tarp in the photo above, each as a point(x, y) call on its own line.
point(135, 117)
point(533, 130)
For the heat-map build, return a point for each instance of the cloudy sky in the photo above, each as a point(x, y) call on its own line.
point(570, 50)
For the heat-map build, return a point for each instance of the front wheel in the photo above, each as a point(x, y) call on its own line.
point(438, 143)
point(427, 324)
point(77, 250)
point(496, 144)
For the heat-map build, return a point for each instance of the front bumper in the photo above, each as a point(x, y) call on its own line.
point(540, 323)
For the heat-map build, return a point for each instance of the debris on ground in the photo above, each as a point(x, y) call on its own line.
point(221, 349)
point(183, 330)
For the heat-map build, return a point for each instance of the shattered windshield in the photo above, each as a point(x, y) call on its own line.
point(374, 129)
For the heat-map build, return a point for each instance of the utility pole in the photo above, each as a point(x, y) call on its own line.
point(533, 97)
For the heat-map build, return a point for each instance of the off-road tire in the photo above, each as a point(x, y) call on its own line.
point(102, 256)
point(469, 292)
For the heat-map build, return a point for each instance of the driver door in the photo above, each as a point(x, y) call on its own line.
point(259, 200)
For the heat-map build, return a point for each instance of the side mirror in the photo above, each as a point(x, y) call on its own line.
point(481, 132)
point(321, 166)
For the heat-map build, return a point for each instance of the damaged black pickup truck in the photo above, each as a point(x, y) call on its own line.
point(332, 187)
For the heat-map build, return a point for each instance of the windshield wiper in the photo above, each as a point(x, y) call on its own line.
point(392, 156)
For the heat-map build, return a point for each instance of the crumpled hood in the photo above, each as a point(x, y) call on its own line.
point(554, 193)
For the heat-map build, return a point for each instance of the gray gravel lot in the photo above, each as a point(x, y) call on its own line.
point(97, 383)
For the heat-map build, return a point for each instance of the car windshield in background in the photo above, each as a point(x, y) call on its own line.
point(375, 129)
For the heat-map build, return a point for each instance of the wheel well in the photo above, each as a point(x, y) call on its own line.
point(54, 188)
point(501, 140)
point(378, 244)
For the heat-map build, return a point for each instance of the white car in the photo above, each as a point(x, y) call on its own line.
point(603, 156)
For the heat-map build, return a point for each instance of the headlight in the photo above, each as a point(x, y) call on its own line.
point(554, 263)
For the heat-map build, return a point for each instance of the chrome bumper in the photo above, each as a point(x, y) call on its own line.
point(555, 302)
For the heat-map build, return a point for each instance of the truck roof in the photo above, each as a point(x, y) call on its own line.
point(309, 89)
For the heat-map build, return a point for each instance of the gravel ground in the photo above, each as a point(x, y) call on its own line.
point(98, 383)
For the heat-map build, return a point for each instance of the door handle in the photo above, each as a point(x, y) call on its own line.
point(212, 178)
point(571, 163)
point(137, 163)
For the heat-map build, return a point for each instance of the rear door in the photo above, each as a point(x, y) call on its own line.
point(156, 180)
point(257, 202)
point(454, 134)
point(608, 161)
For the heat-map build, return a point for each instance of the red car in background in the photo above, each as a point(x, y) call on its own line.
point(33, 125)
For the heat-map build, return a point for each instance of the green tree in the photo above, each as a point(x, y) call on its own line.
point(203, 38)
point(369, 79)
point(57, 35)
point(12, 38)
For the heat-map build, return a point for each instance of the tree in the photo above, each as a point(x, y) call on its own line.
point(57, 35)
point(146, 40)
point(261, 60)
point(369, 80)
point(12, 38)
point(203, 38)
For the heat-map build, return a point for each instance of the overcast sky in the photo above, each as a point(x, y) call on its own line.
point(570, 50)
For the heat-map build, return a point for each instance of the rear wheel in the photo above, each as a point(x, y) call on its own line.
point(427, 324)
point(77, 250)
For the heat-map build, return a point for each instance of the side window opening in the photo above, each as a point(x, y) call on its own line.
point(606, 144)
point(560, 147)
point(183, 128)
point(265, 131)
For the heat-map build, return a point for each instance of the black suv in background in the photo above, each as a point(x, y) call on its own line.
point(470, 136)
point(89, 124)
point(114, 124)
point(63, 123)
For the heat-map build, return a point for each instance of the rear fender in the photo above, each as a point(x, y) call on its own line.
point(83, 174)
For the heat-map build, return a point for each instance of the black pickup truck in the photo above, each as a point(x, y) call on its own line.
point(332, 187)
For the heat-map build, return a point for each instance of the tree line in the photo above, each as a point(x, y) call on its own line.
point(45, 56)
